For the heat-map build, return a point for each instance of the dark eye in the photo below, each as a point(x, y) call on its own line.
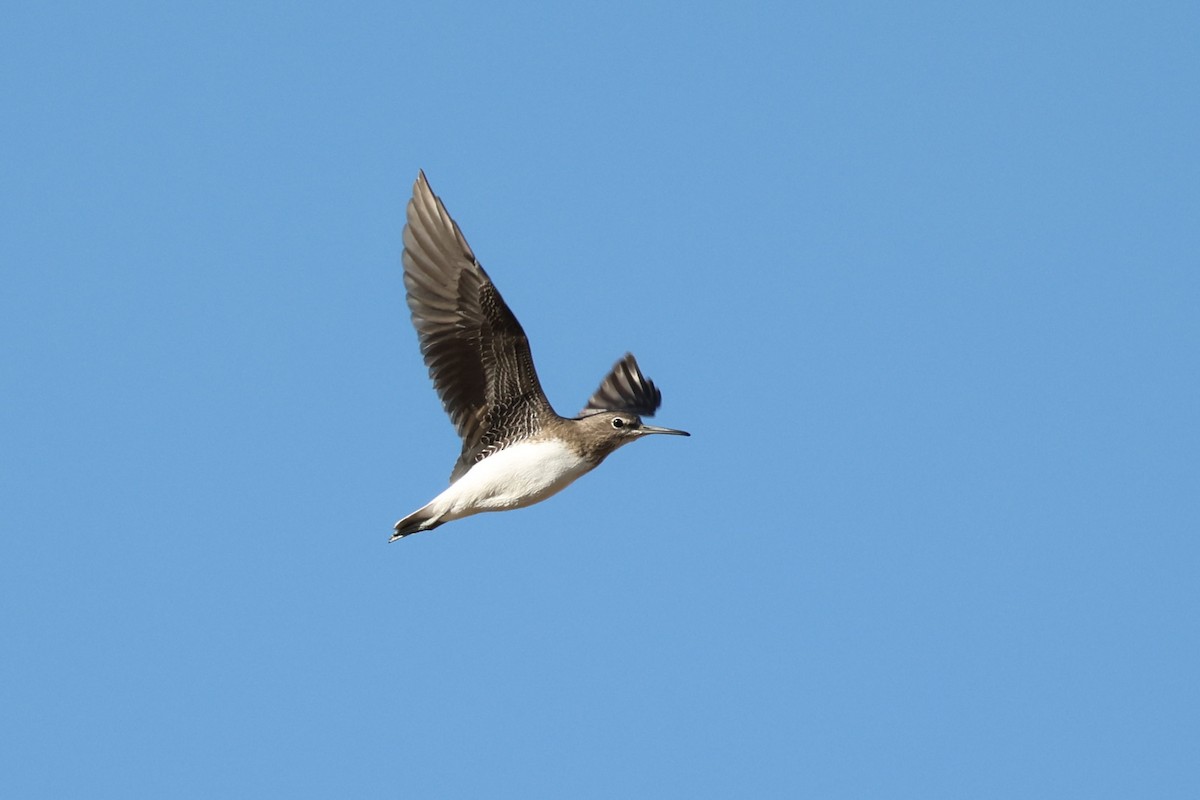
point(618, 422)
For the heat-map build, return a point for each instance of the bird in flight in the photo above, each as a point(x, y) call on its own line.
point(516, 450)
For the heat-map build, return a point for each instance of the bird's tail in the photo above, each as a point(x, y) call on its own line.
point(420, 520)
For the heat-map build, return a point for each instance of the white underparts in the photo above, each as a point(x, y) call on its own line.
point(517, 476)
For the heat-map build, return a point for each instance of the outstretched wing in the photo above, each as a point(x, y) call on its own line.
point(625, 389)
point(476, 351)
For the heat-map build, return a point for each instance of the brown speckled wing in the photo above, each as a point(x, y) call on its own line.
point(476, 351)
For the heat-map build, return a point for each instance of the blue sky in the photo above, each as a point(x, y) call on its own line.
point(921, 281)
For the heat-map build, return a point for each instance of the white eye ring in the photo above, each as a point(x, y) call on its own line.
point(618, 422)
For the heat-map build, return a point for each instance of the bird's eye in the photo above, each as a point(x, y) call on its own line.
point(618, 422)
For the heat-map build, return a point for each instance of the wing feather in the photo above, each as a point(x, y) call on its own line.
point(473, 345)
point(625, 388)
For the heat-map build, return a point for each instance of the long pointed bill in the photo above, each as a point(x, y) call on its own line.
point(655, 429)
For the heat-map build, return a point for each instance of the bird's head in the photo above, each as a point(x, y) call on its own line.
point(613, 415)
point(608, 430)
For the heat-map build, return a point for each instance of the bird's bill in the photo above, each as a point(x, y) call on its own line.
point(655, 429)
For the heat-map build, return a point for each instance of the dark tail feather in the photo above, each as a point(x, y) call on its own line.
point(419, 520)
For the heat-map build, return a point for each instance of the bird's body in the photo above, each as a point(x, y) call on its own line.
point(519, 475)
point(516, 450)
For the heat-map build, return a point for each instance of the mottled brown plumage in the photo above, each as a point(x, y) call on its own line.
point(476, 351)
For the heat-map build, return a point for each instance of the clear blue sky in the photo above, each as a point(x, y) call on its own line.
point(921, 279)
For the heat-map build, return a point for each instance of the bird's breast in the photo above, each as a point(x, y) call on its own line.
point(519, 475)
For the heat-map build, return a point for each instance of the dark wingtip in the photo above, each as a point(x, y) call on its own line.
point(625, 388)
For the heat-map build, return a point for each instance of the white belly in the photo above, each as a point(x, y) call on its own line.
point(517, 476)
